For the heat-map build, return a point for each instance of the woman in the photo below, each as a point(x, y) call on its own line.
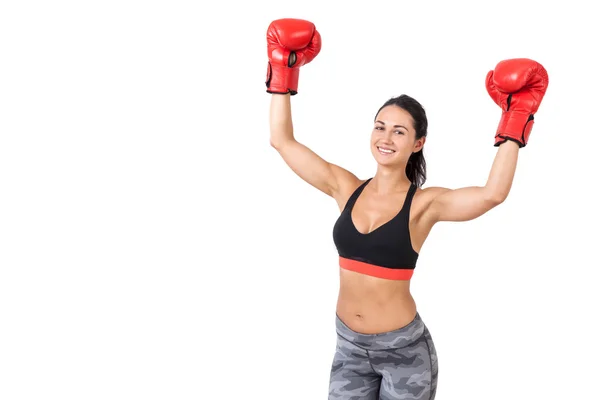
point(384, 349)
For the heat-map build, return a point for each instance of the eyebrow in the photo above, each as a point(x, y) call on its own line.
point(395, 126)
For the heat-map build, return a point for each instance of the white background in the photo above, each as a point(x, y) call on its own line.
point(154, 246)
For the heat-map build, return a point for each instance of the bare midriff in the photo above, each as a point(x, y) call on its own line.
point(369, 305)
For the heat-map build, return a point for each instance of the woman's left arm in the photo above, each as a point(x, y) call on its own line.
point(517, 86)
point(468, 203)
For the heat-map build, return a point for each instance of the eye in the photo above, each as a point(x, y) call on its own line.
point(400, 132)
point(379, 128)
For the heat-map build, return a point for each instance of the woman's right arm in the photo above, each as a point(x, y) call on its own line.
point(327, 177)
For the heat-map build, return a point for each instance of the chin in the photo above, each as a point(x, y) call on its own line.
point(393, 161)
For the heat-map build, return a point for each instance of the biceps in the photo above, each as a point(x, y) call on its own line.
point(308, 165)
point(463, 204)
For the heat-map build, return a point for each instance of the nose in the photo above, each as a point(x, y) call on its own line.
point(387, 135)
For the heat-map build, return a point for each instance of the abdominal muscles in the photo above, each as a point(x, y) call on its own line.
point(370, 305)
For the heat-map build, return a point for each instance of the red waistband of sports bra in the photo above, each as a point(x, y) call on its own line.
point(376, 270)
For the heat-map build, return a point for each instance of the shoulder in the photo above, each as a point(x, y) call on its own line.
point(346, 188)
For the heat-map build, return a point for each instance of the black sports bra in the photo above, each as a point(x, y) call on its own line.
point(386, 252)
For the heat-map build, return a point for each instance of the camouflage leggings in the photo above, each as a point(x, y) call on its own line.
point(400, 364)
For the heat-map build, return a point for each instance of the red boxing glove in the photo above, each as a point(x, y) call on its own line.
point(517, 86)
point(291, 43)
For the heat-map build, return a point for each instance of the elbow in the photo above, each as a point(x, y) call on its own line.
point(279, 138)
point(495, 197)
point(278, 146)
point(275, 143)
point(279, 143)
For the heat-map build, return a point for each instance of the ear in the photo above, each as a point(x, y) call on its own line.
point(419, 143)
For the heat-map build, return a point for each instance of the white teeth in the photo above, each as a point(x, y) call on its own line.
point(386, 151)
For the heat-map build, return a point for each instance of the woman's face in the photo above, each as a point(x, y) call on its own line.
point(393, 137)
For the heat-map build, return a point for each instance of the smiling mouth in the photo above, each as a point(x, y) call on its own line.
point(385, 152)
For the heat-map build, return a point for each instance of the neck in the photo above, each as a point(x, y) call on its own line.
point(387, 181)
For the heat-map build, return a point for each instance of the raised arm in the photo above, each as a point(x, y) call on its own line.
point(323, 175)
point(468, 203)
point(291, 44)
point(517, 86)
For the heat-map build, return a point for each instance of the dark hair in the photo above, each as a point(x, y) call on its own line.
point(416, 167)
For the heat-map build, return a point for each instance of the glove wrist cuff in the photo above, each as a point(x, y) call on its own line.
point(514, 126)
point(282, 79)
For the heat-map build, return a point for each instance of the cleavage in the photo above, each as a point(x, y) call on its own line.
point(375, 213)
